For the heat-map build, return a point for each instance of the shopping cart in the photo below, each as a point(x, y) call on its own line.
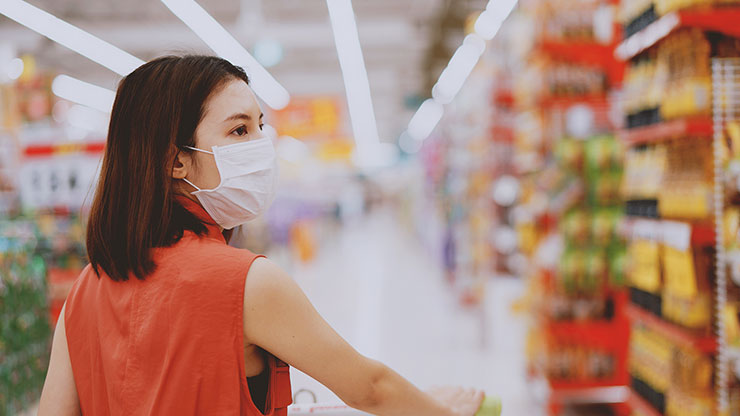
point(491, 407)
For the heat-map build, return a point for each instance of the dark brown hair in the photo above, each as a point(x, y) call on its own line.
point(156, 111)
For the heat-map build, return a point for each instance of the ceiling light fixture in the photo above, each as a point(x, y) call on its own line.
point(72, 37)
point(226, 46)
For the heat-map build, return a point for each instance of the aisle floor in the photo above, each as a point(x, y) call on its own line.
point(377, 285)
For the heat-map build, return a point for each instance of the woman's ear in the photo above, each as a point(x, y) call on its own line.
point(181, 166)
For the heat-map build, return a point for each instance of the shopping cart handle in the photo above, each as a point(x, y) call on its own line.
point(491, 407)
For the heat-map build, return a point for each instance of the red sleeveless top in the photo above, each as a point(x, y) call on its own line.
point(172, 344)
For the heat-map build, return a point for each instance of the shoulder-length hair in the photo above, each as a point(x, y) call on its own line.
point(156, 111)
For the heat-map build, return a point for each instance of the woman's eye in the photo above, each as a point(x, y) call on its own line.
point(261, 125)
point(241, 131)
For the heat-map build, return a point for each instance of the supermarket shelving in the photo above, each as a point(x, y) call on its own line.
point(679, 335)
point(609, 394)
point(702, 233)
point(586, 53)
point(720, 19)
point(600, 104)
point(690, 126)
point(603, 334)
point(595, 100)
point(60, 148)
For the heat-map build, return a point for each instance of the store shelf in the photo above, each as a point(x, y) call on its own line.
point(691, 126)
point(594, 329)
point(586, 395)
point(702, 234)
point(720, 19)
point(586, 53)
point(594, 100)
point(679, 335)
point(639, 404)
point(580, 52)
point(62, 148)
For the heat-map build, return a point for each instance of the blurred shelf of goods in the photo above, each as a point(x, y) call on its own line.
point(472, 179)
point(727, 209)
point(679, 103)
point(594, 176)
point(571, 226)
point(46, 167)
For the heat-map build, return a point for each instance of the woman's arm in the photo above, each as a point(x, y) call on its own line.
point(59, 396)
point(279, 318)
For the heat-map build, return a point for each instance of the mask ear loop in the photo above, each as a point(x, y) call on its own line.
point(191, 184)
point(197, 150)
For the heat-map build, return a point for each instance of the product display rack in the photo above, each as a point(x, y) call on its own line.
point(664, 235)
point(721, 19)
point(569, 209)
point(699, 127)
point(726, 108)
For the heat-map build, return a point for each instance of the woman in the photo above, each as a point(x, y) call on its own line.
point(168, 319)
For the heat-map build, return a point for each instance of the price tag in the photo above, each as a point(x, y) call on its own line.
point(646, 230)
point(676, 234)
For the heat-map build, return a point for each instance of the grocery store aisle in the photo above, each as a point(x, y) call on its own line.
point(384, 293)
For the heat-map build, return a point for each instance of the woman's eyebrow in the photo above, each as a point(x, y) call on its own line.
point(240, 116)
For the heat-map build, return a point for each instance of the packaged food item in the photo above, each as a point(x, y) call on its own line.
point(687, 185)
point(673, 379)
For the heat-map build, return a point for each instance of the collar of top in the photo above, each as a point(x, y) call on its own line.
point(213, 229)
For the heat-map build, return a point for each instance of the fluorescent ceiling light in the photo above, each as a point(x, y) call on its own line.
point(501, 8)
point(459, 68)
point(72, 37)
point(487, 25)
point(84, 93)
point(354, 73)
point(88, 119)
point(454, 75)
point(218, 39)
point(489, 22)
point(408, 144)
point(425, 119)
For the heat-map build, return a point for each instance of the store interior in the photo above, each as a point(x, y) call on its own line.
point(537, 198)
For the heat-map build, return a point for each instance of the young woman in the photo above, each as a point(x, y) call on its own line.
point(168, 319)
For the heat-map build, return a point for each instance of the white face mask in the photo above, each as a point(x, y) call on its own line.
point(248, 179)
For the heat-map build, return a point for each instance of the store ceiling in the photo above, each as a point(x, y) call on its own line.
point(394, 35)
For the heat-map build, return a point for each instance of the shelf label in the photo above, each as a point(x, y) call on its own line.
point(646, 230)
point(676, 234)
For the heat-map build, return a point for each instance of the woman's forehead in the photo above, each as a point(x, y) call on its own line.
point(235, 97)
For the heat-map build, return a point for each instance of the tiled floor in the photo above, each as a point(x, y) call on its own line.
point(384, 293)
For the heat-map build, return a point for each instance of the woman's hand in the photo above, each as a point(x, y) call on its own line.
point(462, 402)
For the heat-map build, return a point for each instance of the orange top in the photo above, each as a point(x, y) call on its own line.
point(172, 344)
